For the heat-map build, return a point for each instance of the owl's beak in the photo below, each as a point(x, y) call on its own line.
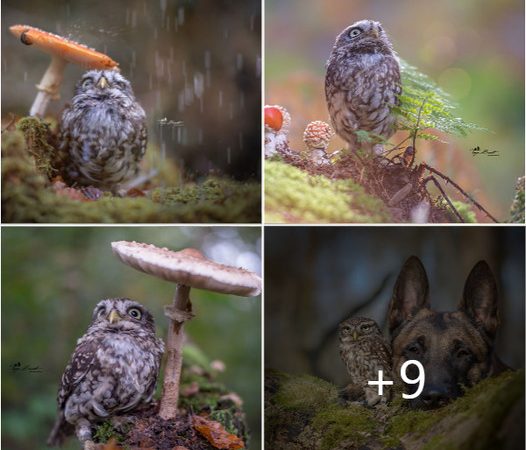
point(114, 316)
point(355, 336)
point(103, 82)
point(375, 32)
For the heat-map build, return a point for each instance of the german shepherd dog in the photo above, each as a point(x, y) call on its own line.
point(456, 348)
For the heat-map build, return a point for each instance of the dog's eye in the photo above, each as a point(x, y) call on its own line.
point(413, 349)
point(462, 353)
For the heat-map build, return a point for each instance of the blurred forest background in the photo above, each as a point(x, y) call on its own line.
point(193, 61)
point(53, 277)
point(474, 49)
point(315, 277)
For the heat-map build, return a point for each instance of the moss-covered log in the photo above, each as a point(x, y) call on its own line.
point(304, 412)
point(30, 161)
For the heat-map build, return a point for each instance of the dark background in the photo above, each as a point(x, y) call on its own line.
point(52, 278)
point(314, 278)
point(196, 61)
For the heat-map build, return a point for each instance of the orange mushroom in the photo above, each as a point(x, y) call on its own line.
point(273, 118)
point(62, 51)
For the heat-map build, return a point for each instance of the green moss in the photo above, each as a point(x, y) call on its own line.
point(294, 196)
point(517, 207)
point(37, 134)
point(305, 393)
point(28, 161)
point(299, 416)
point(106, 431)
point(339, 424)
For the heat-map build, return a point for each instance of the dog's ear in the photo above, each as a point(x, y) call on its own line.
point(480, 299)
point(410, 294)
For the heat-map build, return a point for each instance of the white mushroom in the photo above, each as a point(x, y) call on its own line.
point(188, 268)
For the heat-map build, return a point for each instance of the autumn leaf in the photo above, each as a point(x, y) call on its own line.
point(216, 434)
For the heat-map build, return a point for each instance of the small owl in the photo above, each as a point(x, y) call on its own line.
point(362, 83)
point(112, 371)
point(364, 351)
point(103, 131)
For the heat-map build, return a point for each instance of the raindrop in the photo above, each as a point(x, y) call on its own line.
point(169, 70)
point(200, 136)
point(228, 156)
point(180, 101)
point(240, 136)
point(155, 33)
point(201, 105)
point(179, 134)
point(189, 95)
point(133, 58)
point(208, 78)
point(171, 54)
point(167, 23)
point(150, 81)
point(68, 10)
point(163, 6)
point(220, 99)
point(258, 66)
point(127, 17)
point(225, 33)
point(198, 84)
point(252, 22)
point(242, 100)
point(25, 76)
point(239, 61)
point(158, 100)
point(208, 59)
point(134, 19)
point(231, 111)
point(180, 16)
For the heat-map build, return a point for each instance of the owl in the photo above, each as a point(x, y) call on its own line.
point(112, 371)
point(103, 131)
point(362, 84)
point(364, 351)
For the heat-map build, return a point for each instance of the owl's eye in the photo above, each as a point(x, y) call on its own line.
point(346, 329)
point(102, 311)
point(354, 32)
point(135, 313)
point(87, 82)
point(365, 327)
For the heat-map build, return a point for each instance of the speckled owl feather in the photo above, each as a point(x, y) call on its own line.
point(113, 369)
point(362, 82)
point(103, 130)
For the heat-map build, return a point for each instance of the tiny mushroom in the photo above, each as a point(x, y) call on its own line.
point(187, 268)
point(317, 136)
point(62, 51)
point(277, 126)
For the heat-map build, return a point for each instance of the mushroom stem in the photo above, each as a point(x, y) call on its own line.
point(178, 313)
point(49, 86)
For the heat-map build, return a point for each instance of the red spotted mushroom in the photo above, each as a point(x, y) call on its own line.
point(187, 268)
point(317, 136)
point(277, 125)
point(62, 51)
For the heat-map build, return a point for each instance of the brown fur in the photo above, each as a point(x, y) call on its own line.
point(456, 348)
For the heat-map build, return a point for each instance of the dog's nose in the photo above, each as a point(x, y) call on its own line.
point(434, 397)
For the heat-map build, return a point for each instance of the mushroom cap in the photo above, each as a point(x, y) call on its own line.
point(317, 135)
point(277, 118)
point(66, 49)
point(188, 267)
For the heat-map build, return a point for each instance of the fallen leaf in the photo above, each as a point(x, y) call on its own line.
point(216, 434)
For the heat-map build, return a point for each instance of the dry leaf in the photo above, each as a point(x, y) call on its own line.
point(216, 434)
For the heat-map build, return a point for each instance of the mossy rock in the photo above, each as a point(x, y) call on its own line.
point(303, 412)
point(295, 196)
point(29, 161)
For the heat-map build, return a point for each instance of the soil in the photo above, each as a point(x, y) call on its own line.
point(382, 178)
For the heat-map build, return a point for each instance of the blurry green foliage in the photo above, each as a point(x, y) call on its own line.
point(424, 105)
